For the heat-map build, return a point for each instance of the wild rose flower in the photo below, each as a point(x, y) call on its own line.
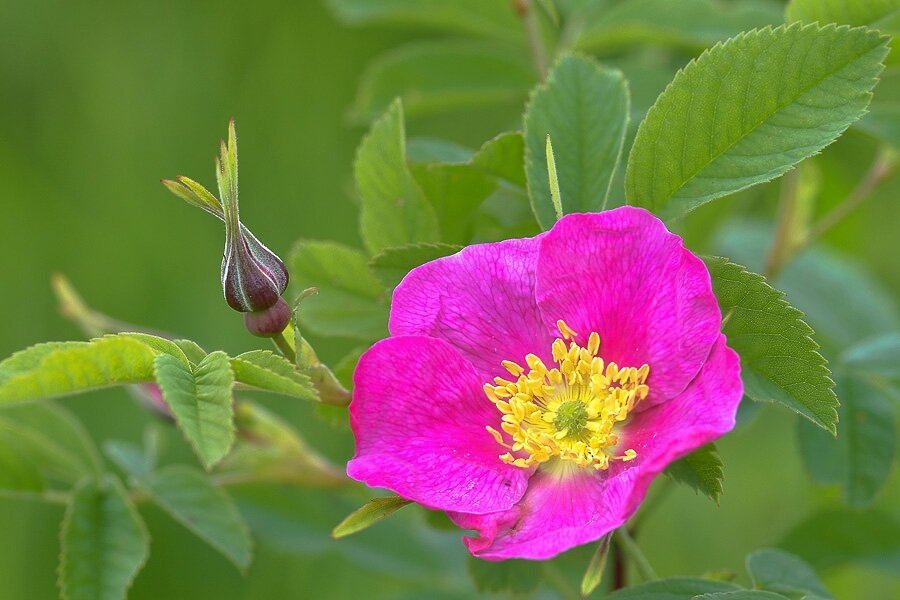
point(533, 388)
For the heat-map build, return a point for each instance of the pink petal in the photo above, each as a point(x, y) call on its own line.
point(419, 415)
point(557, 513)
point(622, 274)
point(480, 300)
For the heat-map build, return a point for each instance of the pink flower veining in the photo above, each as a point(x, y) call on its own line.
point(533, 388)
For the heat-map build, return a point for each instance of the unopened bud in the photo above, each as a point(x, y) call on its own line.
point(253, 277)
point(269, 322)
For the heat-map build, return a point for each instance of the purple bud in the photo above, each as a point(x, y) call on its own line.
point(270, 321)
point(253, 277)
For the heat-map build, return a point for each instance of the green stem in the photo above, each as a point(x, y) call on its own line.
point(284, 347)
point(787, 215)
point(533, 33)
point(634, 554)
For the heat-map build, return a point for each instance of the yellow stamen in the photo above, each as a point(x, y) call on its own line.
point(569, 411)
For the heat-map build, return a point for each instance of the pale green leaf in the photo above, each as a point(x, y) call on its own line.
point(690, 24)
point(872, 13)
point(350, 302)
point(748, 110)
point(584, 109)
point(779, 571)
point(510, 576)
point(702, 470)
point(440, 76)
point(60, 369)
point(192, 350)
point(673, 588)
point(875, 357)
point(393, 209)
point(593, 575)
point(838, 537)
point(393, 264)
point(779, 358)
point(477, 17)
point(194, 501)
point(104, 543)
point(368, 514)
point(201, 402)
point(268, 371)
point(860, 459)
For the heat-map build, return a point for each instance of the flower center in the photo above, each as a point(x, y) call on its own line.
point(569, 411)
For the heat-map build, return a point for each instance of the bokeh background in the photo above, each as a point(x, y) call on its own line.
point(99, 100)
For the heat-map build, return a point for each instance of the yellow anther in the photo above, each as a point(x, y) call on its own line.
point(514, 369)
point(565, 330)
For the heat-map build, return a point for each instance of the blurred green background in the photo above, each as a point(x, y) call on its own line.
point(100, 100)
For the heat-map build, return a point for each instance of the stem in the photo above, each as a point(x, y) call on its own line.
point(787, 215)
point(284, 347)
point(619, 580)
point(633, 552)
point(533, 33)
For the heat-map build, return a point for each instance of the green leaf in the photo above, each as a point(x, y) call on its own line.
point(503, 157)
point(673, 588)
point(873, 13)
point(702, 470)
point(748, 110)
point(434, 77)
point(860, 459)
point(201, 402)
point(429, 149)
point(741, 595)
point(206, 510)
point(393, 264)
point(455, 191)
point(393, 209)
point(60, 369)
point(350, 302)
point(104, 543)
point(48, 439)
point(128, 457)
point(192, 350)
point(585, 111)
point(477, 17)
point(516, 576)
point(369, 514)
point(779, 571)
point(875, 357)
point(779, 358)
point(593, 575)
point(882, 122)
point(838, 537)
point(270, 372)
point(690, 24)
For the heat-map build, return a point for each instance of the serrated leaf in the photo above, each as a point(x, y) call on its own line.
point(393, 210)
point(702, 470)
point(837, 537)
point(393, 264)
point(52, 441)
point(673, 588)
point(503, 157)
point(368, 514)
point(875, 357)
point(691, 24)
point(584, 109)
point(206, 510)
point(860, 459)
point(441, 76)
point(779, 358)
point(350, 302)
point(516, 576)
point(267, 371)
point(60, 369)
point(104, 543)
point(191, 349)
point(782, 572)
point(490, 19)
point(201, 402)
point(748, 110)
point(741, 595)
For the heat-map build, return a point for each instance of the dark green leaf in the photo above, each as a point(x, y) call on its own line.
point(516, 576)
point(104, 543)
point(585, 110)
point(393, 264)
point(368, 514)
point(779, 358)
point(708, 136)
point(201, 402)
point(779, 571)
point(702, 470)
point(673, 588)
point(268, 371)
point(838, 537)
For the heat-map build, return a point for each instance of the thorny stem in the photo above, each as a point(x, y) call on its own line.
point(525, 10)
point(630, 548)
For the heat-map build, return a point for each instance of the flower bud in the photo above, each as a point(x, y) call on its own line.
point(269, 322)
point(253, 277)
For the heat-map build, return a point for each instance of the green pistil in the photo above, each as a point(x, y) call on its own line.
point(571, 416)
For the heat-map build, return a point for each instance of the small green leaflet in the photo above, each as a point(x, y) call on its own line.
point(393, 208)
point(104, 543)
point(779, 571)
point(702, 470)
point(393, 264)
point(201, 402)
point(268, 371)
point(749, 109)
point(368, 514)
point(779, 358)
point(350, 302)
point(593, 575)
point(584, 109)
point(516, 576)
point(673, 588)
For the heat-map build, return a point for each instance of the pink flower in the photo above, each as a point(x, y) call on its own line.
point(533, 388)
